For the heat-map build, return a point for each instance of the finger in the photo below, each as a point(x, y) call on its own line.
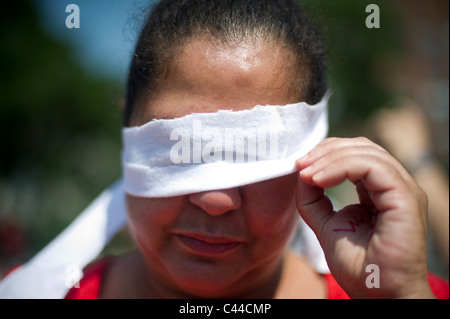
point(334, 148)
point(333, 144)
point(363, 194)
point(313, 205)
point(376, 173)
point(335, 156)
point(355, 162)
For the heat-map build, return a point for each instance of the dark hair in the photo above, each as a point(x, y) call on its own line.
point(172, 22)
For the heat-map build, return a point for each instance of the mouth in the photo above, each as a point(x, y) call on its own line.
point(207, 245)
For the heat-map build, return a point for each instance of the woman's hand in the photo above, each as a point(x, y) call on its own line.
point(387, 228)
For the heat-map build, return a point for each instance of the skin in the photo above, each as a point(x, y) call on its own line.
point(261, 217)
point(392, 211)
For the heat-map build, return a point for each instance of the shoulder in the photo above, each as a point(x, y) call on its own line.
point(90, 285)
point(299, 280)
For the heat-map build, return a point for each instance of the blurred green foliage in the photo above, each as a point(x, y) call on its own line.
point(354, 56)
point(59, 128)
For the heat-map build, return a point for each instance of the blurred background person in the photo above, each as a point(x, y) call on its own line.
point(405, 132)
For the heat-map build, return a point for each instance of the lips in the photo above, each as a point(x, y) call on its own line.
point(207, 245)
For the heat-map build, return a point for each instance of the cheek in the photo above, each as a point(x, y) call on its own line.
point(150, 219)
point(272, 214)
point(275, 226)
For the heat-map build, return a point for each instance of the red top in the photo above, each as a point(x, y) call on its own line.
point(91, 284)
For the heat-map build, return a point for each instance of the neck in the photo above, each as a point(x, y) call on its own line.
point(256, 284)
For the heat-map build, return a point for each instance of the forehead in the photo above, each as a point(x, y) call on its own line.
point(206, 76)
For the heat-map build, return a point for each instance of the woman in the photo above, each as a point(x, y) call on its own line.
point(208, 55)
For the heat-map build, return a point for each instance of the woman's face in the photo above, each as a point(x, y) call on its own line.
point(223, 242)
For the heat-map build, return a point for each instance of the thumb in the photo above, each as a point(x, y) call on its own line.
point(313, 205)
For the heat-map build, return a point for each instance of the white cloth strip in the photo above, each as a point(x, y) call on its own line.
point(55, 269)
point(211, 151)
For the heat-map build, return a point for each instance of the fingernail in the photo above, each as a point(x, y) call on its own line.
point(306, 170)
point(301, 160)
point(318, 176)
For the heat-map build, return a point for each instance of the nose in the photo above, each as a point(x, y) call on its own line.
point(217, 202)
